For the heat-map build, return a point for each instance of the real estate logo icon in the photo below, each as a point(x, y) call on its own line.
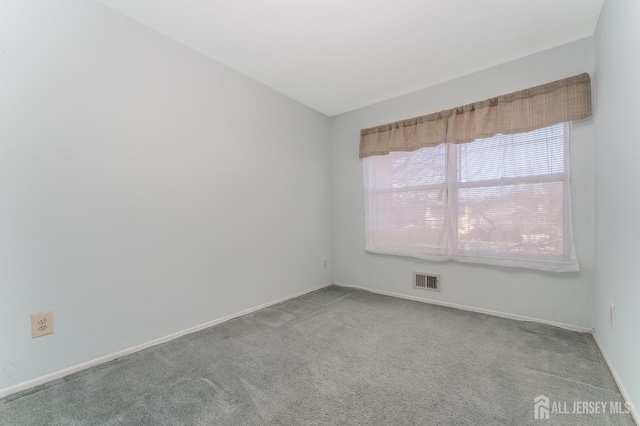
point(541, 407)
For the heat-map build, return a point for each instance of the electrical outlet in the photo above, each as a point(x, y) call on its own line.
point(41, 324)
point(325, 263)
point(612, 315)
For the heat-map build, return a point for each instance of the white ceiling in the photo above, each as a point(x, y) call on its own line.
point(338, 55)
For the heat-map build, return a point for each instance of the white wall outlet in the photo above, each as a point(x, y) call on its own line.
point(612, 315)
point(41, 324)
point(325, 263)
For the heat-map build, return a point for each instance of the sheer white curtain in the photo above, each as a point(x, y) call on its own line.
point(503, 200)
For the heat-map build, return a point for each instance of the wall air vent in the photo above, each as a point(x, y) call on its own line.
point(426, 281)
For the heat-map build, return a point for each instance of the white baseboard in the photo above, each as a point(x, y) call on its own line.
point(101, 360)
point(471, 308)
point(618, 380)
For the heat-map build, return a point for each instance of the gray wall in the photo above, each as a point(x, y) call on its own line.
point(617, 129)
point(144, 188)
point(564, 297)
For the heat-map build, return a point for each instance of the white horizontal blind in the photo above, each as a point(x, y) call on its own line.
point(503, 200)
point(406, 201)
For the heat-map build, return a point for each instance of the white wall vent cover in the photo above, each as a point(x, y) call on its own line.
point(426, 281)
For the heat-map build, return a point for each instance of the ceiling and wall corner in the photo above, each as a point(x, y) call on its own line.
point(337, 55)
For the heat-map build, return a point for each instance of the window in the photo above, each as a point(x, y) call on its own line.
point(486, 182)
point(503, 200)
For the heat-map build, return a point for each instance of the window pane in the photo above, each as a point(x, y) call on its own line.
point(406, 200)
point(425, 166)
point(408, 218)
point(536, 153)
point(523, 219)
point(398, 170)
